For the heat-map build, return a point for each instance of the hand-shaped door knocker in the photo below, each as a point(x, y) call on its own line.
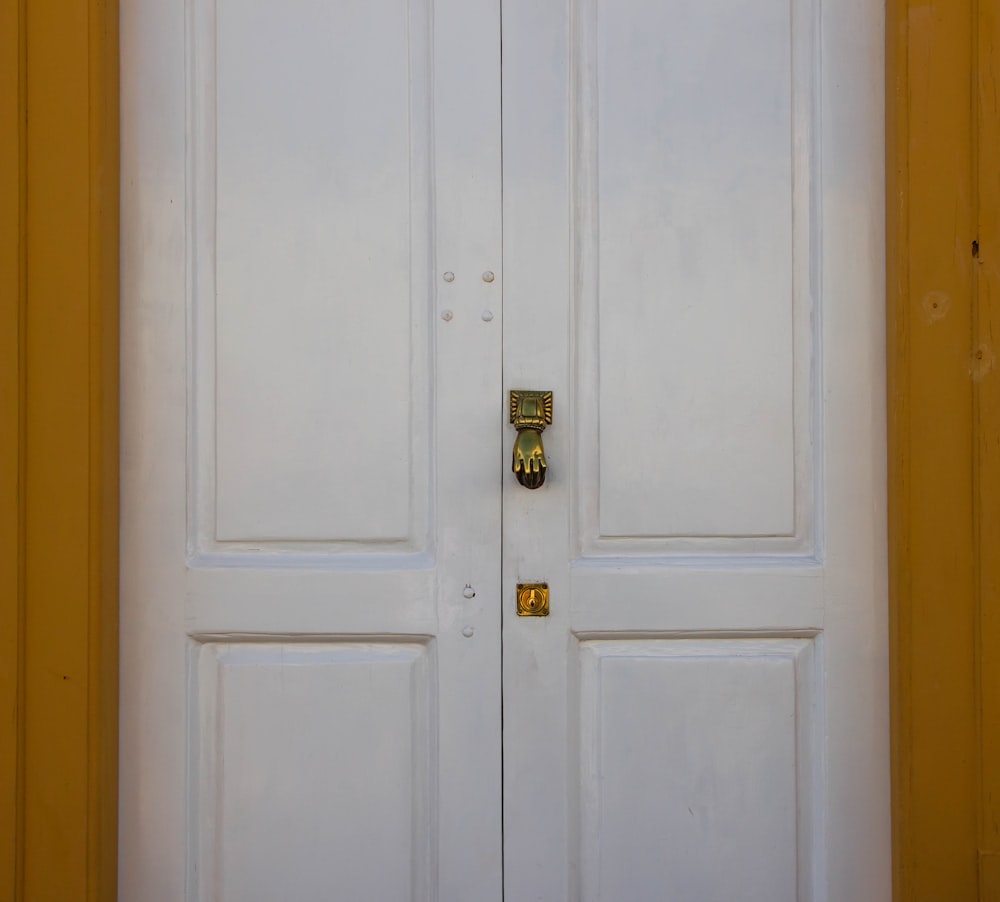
point(530, 412)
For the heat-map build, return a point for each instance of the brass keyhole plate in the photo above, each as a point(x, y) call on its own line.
point(532, 600)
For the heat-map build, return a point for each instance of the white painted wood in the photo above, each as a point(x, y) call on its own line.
point(300, 776)
point(692, 753)
point(694, 265)
point(312, 234)
point(310, 698)
point(693, 292)
point(688, 228)
point(315, 451)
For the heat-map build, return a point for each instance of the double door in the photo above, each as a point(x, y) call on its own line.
point(351, 229)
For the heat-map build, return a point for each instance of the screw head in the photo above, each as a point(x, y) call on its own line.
point(488, 276)
point(449, 276)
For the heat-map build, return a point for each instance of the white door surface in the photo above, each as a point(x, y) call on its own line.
point(350, 228)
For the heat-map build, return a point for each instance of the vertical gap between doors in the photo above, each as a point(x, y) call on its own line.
point(503, 599)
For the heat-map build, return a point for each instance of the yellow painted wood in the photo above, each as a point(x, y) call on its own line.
point(989, 876)
point(944, 430)
point(58, 449)
point(986, 280)
point(12, 134)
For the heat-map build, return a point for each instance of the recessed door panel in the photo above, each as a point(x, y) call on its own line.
point(694, 185)
point(693, 274)
point(693, 752)
point(311, 243)
point(298, 776)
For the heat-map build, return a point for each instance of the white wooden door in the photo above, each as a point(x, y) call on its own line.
point(312, 455)
point(327, 296)
point(693, 265)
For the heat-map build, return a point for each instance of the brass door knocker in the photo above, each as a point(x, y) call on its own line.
point(530, 413)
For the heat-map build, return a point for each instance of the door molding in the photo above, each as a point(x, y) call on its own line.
point(58, 448)
point(944, 460)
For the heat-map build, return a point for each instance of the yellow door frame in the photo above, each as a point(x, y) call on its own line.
point(943, 147)
point(58, 447)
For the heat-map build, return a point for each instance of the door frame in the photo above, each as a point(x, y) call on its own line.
point(59, 446)
point(943, 132)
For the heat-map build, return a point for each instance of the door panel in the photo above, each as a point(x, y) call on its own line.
point(312, 233)
point(690, 230)
point(682, 228)
point(693, 752)
point(693, 265)
point(311, 455)
point(273, 714)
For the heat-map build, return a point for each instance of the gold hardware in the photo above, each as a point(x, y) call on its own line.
point(532, 600)
point(530, 412)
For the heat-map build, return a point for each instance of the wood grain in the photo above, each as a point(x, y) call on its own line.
point(59, 146)
point(933, 375)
